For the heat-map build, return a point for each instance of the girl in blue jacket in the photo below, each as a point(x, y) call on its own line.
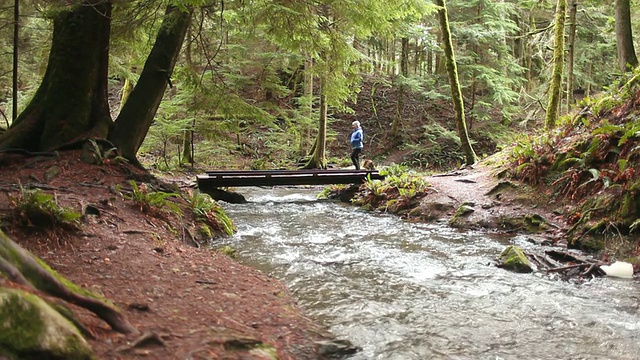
point(357, 136)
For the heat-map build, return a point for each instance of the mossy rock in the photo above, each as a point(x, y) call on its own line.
point(500, 186)
point(531, 223)
point(30, 328)
point(464, 209)
point(589, 244)
point(513, 258)
point(536, 222)
point(228, 251)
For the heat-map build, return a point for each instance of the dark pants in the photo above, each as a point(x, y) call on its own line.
point(355, 157)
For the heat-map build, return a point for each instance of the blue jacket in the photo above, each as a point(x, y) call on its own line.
point(357, 137)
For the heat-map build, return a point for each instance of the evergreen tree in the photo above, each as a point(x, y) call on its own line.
point(555, 86)
point(627, 59)
point(71, 103)
point(456, 92)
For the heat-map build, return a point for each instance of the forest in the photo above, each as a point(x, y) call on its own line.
point(237, 68)
point(547, 91)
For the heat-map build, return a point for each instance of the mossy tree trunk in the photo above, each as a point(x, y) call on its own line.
point(558, 62)
point(21, 267)
point(318, 159)
point(573, 9)
point(126, 91)
point(404, 72)
point(71, 102)
point(305, 131)
point(16, 49)
point(137, 114)
point(456, 91)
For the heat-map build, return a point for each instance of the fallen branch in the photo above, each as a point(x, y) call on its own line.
point(563, 268)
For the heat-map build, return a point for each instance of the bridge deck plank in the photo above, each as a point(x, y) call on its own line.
point(237, 178)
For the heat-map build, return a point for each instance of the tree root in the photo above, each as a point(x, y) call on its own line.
point(22, 267)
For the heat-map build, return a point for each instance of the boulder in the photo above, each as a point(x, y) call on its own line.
point(31, 329)
point(513, 258)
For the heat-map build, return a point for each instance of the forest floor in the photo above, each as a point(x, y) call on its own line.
point(187, 302)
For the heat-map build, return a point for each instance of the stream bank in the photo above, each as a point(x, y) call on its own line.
point(414, 290)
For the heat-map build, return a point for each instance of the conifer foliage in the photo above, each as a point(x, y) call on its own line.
point(290, 68)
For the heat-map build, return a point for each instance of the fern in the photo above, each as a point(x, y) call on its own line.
point(37, 208)
point(207, 210)
point(147, 200)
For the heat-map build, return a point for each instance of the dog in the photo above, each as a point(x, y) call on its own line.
point(367, 164)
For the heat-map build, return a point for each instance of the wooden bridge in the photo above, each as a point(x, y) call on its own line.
point(236, 178)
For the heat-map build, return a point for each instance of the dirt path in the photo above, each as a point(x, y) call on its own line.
point(474, 197)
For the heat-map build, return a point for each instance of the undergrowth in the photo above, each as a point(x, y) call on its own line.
point(148, 200)
point(590, 162)
point(400, 191)
point(38, 210)
point(211, 215)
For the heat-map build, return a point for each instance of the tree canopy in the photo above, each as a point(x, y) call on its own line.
point(242, 64)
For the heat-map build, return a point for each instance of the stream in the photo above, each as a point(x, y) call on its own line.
point(411, 291)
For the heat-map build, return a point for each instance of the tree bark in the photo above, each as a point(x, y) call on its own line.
point(573, 9)
point(71, 102)
point(627, 59)
point(307, 110)
point(16, 43)
point(555, 85)
point(318, 159)
point(456, 91)
point(137, 114)
point(404, 73)
point(187, 143)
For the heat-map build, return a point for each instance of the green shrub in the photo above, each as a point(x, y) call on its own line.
point(211, 214)
point(39, 209)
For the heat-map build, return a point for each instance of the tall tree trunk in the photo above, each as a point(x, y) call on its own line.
point(589, 73)
point(417, 58)
point(404, 73)
point(187, 144)
point(137, 114)
point(188, 149)
point(627, 59)
point(528, 62)
point(71, 102)
point(318, 159)
point(573, 9)
point(558, 61)
point(456, 92)
point(305, 131)
point(518, 41)
point(16, 42)
point(393, 63)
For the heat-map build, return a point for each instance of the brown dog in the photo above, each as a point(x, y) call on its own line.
point(368, 165)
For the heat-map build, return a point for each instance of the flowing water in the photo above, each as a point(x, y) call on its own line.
point(422, 291)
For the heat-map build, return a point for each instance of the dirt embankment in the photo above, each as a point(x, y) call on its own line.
point(475, 197)
point(186, 302)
